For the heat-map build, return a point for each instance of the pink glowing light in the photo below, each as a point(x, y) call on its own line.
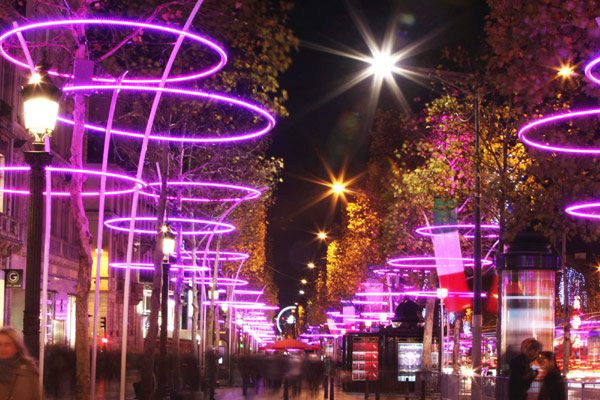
point(433, 230)
point(150, 266)
point(220, 281)
point(211, 255)
point(63, 170)
point(414, 294)
point(251, 193)
point(588, 70)
point(120, 23)
point(418, 262)
point(578, 210)
point(178, 137)
point(248, 292)
point(555, 118)
point(220, 227)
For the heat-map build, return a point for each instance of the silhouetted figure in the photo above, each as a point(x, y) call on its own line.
point(521, 373)
point(553, 386)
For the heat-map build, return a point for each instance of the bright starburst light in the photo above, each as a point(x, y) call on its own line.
point(383, 62)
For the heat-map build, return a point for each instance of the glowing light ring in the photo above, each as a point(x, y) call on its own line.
point(430, 230)
point(220, 281)
point(243, 292)
point(174, 138)
point(124, 23)
point(413, 262)
point(414, 294)
point(136, 182)
point(554, 118)
point(576, 210)
point(252, 193)
point(223, 255)
point(224, 227)
point(588, 70)
point(150, 266)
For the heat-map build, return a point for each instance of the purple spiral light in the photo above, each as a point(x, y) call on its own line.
point(221, 281)
point(588, 70)
point(431, 230)
point(236, 136)
point(220, 227)
point(413, 293)
point(150, 266)
point(123, 23)
point(251, 193)
point(577, 210)
point(135, 182)
point(211, 255)
point(555, 118)
point(417, 262)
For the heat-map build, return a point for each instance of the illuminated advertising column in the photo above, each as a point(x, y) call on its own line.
point(527, 271)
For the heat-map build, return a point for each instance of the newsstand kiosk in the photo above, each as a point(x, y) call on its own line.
point(389, 358)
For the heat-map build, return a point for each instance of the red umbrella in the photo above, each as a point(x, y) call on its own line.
point(287, 344)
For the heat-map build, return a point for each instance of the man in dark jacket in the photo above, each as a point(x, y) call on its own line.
point(521, 374)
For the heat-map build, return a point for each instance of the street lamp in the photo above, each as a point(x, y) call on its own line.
point(311, 265)
point(322, 235)
point(168, 248)
point(40, 100)
point(303, 281)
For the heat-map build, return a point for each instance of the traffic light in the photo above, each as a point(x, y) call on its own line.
point(103, 324)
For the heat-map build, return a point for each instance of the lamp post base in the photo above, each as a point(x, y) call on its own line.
point(38, 160)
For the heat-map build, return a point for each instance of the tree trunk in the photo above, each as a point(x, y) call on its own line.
point(84, 237)
point(428, 334)
point(194, 305)
point(456, 351)
point(151, 336)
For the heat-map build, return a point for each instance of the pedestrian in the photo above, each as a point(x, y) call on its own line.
point(521, 373)
point(19, 376)
point(553, 386)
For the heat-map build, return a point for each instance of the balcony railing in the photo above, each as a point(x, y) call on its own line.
point(10, 232)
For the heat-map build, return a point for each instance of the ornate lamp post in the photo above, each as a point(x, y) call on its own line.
point(40, 98)
point(168, 247)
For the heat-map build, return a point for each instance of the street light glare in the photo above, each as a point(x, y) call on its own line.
point(338, 188)
point(382, 65)
point(304, 281)
point(322, 236)
point(311, 265)
point(566, 71)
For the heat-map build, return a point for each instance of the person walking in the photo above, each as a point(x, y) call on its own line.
point(521, 373)
point(553, 385)
point(18, 373)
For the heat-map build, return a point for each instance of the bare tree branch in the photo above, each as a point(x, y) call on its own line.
point(137, 31)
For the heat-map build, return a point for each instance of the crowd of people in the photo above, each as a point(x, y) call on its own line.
point(272, 373)
point(293, 373)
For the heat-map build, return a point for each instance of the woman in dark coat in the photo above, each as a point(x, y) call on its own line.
point(19, 377)
point(553, 387)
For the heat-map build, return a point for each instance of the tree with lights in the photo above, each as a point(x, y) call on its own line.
point(260, 45)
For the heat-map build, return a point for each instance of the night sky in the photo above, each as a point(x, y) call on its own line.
point(336, 133)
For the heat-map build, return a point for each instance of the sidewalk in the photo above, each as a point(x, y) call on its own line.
point(236, 394)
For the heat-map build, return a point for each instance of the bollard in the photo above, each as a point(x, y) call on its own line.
point(422, 389)
point(377, 389)
point(367, 389)
point(331, 389)
point(326, 387)
point(286, 394)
